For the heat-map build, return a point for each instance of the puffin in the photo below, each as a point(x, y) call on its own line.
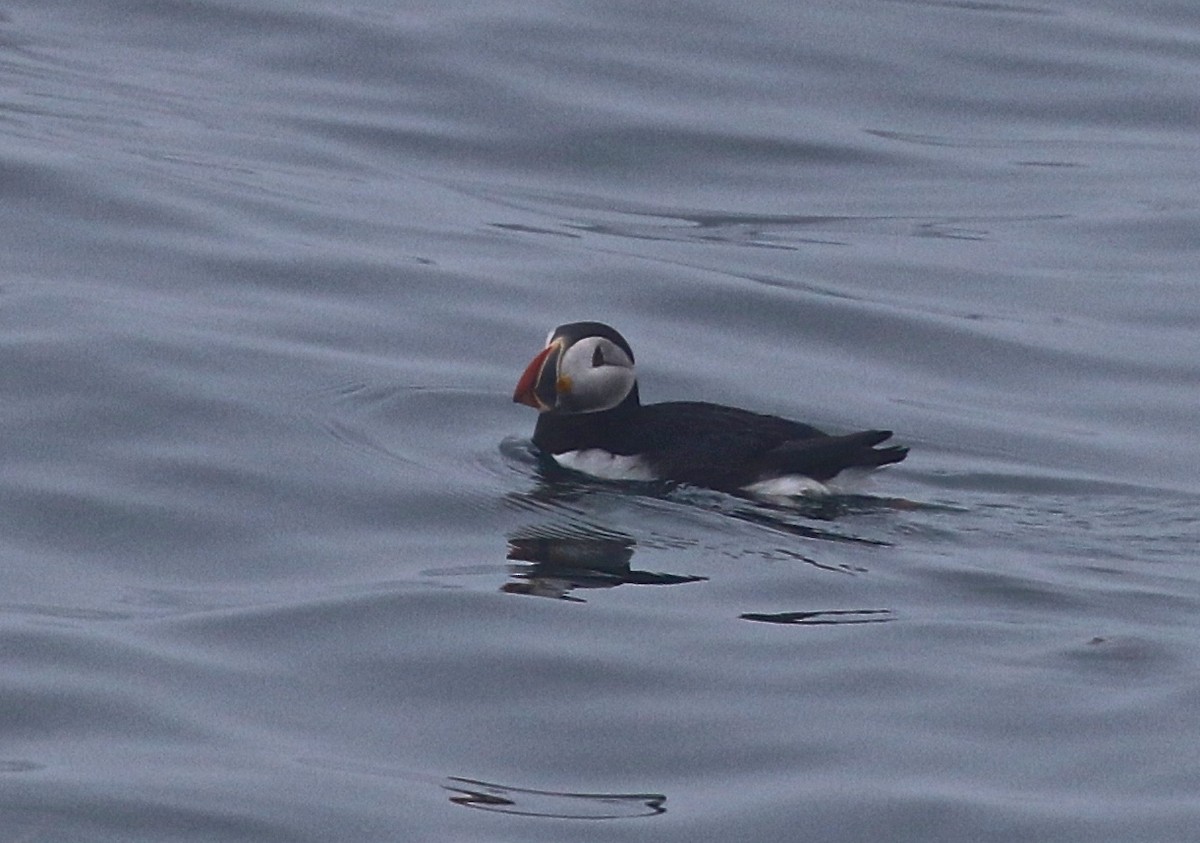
point(591, 420)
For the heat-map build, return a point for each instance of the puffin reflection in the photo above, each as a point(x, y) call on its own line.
point(562, 805)
point(556, 561)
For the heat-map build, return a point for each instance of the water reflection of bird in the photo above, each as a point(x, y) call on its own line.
point(559, 564)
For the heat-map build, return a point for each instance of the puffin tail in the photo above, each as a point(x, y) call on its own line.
point(875, 457)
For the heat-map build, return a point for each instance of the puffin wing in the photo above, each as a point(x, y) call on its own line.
point(713, 445)
point(822, 457)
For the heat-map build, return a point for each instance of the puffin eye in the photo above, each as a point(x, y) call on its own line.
point(597, 357)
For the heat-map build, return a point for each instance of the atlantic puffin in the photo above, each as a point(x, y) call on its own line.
point(591, 419)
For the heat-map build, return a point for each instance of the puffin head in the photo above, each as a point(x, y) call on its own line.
point(585, 367)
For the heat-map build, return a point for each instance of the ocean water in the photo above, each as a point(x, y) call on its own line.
point(280, 564)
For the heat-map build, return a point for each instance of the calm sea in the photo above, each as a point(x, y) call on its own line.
point(277, 562)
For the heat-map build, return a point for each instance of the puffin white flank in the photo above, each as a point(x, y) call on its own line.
point(602, 464)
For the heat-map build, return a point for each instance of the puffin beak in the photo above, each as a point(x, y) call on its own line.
point(538, 383)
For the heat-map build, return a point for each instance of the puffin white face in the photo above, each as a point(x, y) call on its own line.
point(594, 374)
point(586, 375)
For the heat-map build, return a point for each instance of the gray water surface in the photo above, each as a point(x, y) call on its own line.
point(280, 564)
